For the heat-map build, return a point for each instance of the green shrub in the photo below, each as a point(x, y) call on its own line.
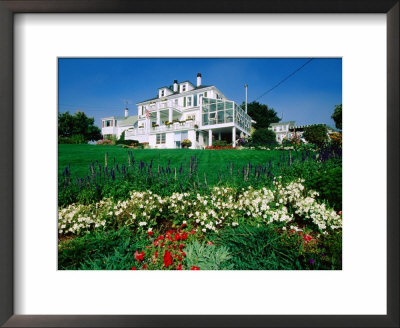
point(207, 257)
point(127, 142)
point(316, 134)
point(327, 181)
point(220, 143)
point(75, 139)
point(263, 137)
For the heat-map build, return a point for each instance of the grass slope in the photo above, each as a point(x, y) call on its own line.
point(80, 156)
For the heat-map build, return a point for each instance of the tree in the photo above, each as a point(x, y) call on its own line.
point(263, 137)
point(77, 125)
point(260, 113)
point(316, 134)
point(337, 116)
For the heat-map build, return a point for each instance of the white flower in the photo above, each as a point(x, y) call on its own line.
point(142, 223)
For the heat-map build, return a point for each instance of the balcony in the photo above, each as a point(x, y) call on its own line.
point(167, 104)
point(175, 127)
point(134, 132)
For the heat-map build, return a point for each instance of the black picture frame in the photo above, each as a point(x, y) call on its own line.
point(10, 7)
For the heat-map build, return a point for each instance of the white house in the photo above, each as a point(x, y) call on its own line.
point(115, 125)
point(289, 129)
point(200, 113)
point(282, 130)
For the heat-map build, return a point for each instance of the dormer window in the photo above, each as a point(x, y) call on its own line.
point(184, 88)
point(162, 93)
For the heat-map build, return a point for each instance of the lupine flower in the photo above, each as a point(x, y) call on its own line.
point(195, 268)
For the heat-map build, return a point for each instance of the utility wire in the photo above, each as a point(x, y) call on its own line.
point(286, 78)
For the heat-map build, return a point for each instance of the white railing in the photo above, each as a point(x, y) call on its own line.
point(135, 132)
point(174, 127)
point(165, 105)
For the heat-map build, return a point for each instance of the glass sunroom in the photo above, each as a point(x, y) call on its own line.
point(226, 112)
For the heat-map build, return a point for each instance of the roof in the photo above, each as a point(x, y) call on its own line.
point(130, 120)
point(176, 93)
point(284, 123)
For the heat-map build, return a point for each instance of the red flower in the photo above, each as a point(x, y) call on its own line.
point(195, 268)
point(167, 259)
point(150, 233)
point(210, 243)
point(179, 258)
point(307, 238)
point(133, 268)
point(183, 254)
point(193, 232)
point(179, 267)
point(177, 236)
point(160, 237)
point(181, 246)
point(139, 256)
point(156, 254)
point(184, 225)
point(184, 236)
point(144, 267)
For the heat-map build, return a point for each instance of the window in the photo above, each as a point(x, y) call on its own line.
point(176, 102)
point(183, 87)
point(184, 101)
point(200, 99)
point(160, 138)
point(205, 94)
point(189, 101)
point(162, 93)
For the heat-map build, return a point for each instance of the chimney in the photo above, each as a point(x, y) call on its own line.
point(126, 111)
point(198, 79)
point(175, 85)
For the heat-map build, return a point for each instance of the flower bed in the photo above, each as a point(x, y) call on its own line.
point(284, 205)
point(219, 147)
point(104, 142)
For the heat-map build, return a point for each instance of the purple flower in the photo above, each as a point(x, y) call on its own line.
point(311, 261)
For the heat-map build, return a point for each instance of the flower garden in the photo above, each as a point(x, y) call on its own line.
point(184, 209)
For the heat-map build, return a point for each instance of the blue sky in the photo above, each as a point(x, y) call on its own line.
point(100, 86)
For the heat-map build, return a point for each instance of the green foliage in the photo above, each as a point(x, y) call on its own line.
point(327, 181)
point(255, 248)
point(316, 134)
point(122, 136)
point(263, 137)
point(267, 248)
point(220, 143)
point(127, 142)
point(207, 257)
point(337, 116)
point(69, 126)
point(263, 115)
point(113, 250)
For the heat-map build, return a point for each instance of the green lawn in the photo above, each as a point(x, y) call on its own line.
point(80, 156)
